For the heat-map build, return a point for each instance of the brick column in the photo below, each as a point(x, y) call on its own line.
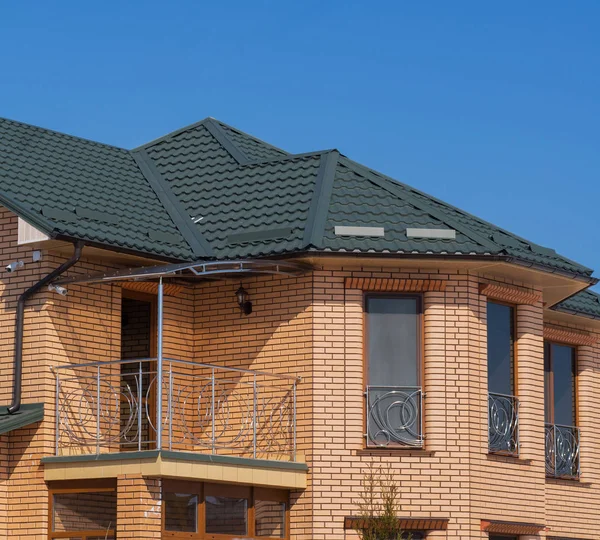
point(139, 507)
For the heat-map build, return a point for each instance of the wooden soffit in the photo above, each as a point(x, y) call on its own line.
point(150, 287)
point(395, 284)
point(511, 527)
point(506, 293)
point(568, 335)
point(407, 524)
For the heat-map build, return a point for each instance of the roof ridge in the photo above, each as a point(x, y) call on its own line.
point(463, 212)
point(288, 157)
point(171, 134)
point(62, 134)
point(221, 124)
point(319, 205)
point(388, 184)
point(219, 134)
point(182, 220)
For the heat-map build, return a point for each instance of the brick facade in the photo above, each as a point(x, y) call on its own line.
point(312, 327)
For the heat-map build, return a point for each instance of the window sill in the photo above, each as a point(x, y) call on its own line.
point(507, 458)
point(567, 481)
point(421, 452)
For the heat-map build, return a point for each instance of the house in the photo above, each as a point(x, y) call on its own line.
point(207, 337)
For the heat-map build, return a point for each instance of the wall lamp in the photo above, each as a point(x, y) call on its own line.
point(242, 298)
point(58, 289)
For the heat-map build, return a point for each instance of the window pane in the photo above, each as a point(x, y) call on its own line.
point(547, 383)
point(393, 340)
point(563, 367)
point(84, 511)
point(270, 518)
point(225, 515)
point(181, 511)
point(500, 348)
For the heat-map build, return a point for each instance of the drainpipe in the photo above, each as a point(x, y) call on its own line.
point(19, 319)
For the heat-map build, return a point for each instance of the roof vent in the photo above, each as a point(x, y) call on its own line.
point(359, 231)
point(438, 234)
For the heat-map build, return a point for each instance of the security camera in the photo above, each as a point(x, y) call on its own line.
point(58, 289)
point(13, 266)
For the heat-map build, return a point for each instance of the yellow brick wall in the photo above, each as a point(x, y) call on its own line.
point(313, 327)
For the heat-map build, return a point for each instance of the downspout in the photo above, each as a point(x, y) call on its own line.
point(19, 319)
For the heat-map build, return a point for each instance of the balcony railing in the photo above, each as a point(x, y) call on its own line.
point(503, 424)
point(562, 451)
point(118, 407)
point(394, 416)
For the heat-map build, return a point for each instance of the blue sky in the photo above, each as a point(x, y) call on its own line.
point(493, 107)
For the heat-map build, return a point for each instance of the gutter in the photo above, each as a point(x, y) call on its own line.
point(19, 320)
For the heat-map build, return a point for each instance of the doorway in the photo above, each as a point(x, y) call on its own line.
point(138, 387)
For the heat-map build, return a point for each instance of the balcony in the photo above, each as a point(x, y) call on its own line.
point(394, 416)
point(503, 424)
point(562, 451)
point(122, 406)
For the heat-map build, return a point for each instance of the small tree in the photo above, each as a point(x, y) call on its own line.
point(378, 506)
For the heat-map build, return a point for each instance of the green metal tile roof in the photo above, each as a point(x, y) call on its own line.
point(52, 180)
point(585, 303)
point(209, 191)
point(29, 413)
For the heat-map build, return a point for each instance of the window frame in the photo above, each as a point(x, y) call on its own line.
point(79, 486)
point(420, 360)
point(204, 489)
point(514, 360)
point(547, 401)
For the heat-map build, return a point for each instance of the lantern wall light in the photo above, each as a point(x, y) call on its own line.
point(243, 300)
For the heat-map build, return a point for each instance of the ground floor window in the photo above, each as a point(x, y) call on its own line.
point(222, 512)
point(83, 510)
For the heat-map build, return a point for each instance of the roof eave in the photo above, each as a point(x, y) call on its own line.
point(33, 218)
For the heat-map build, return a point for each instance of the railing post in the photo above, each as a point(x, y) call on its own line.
point(159, 367)
point(140, 401)
point(170, 413)
point(98, 410)
point(212, 410)
point(555, 447)
point(294, 423)
point(57, 413)
point(421, 413)
point(254, 419)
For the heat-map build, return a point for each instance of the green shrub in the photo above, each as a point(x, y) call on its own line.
point(378, 506)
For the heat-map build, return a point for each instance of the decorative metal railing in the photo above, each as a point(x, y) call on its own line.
point(562, 451)
point(394, 416)
point(503, 424)
point(116, 406)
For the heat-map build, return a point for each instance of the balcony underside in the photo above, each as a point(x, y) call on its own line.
point(181, 465)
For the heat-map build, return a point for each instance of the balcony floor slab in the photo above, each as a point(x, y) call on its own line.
point(180, 465)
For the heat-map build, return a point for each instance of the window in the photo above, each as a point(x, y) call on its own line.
point(393, 370)
point(85, 511)
point(183, 512)
point(503, 406)
point(562, 435)
point(500, 337)
point(559, 371)
point(217, 511)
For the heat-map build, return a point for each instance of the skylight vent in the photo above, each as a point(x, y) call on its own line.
point(433, 234)
point(346, 230)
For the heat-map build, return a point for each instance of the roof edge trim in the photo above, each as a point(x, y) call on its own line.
point(319, 205)
point(219, 134)
point(200, 247)
point(33, 218)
